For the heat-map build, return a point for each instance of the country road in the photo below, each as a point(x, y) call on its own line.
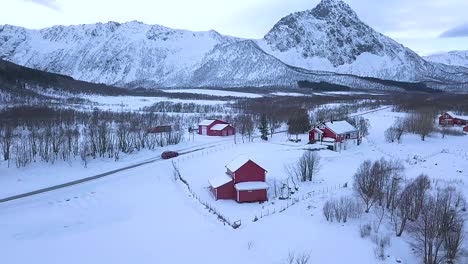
point(105, 174)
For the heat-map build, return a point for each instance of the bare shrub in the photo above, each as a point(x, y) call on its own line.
point(365, 230)
point(294, 258)
point(382, 243)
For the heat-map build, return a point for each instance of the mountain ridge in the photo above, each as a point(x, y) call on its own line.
point(328, 38)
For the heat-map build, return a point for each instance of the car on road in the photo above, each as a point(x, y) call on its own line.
point(169, 154)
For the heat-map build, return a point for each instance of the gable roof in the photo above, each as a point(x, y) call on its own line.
point(219, 180)
point(340, 127)
point(457, 116)
point(237, 163)
point(219, 127)
point(206, 122)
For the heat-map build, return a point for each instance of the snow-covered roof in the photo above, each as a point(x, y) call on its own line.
point(457, 116)
point(206, 122)
point(219, 180)
point(219, 127)
point(318, 130)
point(340, 127)
point(251, 186)
point(235, 164)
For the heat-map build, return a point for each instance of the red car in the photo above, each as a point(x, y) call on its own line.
point(169, 154)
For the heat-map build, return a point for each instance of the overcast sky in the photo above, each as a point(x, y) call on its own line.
point(426, 26)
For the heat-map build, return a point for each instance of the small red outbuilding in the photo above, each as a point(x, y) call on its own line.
point(465, 129)
point(244, 181)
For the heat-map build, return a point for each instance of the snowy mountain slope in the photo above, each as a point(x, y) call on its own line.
point(328, 43)
point(331, 37)
point(110, 53)
point(454, 58)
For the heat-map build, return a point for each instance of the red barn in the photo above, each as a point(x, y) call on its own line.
point(451, 119)
point(215, 128)
point(244, 181)
point(338, 131)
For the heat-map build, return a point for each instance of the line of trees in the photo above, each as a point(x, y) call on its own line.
point(49, 135)
point(421, 123)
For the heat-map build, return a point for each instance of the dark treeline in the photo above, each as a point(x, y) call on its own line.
point(436, 103)
point(30, 134)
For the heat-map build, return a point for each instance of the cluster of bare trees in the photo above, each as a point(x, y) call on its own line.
point(433, 218)
point(438, 231)
point(69, 135)
point(419, 123)
point(341, 209)
point(377, 182)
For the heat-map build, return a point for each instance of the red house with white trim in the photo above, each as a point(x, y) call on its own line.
point(244, 181)
point(337, 131)
point(215, 127)
point(451, 119)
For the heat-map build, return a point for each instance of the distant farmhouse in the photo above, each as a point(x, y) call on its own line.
point(451, 119)
point(215, 127)
point(336, 131)
point(244, 181)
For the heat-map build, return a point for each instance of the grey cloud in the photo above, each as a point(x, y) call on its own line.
point(52, 4)
point(459, 31)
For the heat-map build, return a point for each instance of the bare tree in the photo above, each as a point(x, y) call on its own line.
point(419, 188)
point(421, 123)
point(402, 211)
point(361, 124)
point(306, 167)
point(390, 134)
point(366, 185)
point(299, 122)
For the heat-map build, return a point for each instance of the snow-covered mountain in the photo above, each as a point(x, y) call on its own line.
point(328, 43)
point(331, 37)
point(454, 58)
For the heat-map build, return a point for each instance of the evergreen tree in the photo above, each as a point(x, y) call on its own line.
point(263, 127)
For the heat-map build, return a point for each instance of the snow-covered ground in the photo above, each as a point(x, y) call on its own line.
point(144, 216)
point(214, 92)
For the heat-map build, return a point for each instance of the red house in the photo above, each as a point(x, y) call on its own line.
point(337, 131)
point(451, 119)
point(215, 128)
point(244, 181)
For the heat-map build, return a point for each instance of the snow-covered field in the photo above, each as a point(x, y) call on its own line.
point(143, 215)
point(134, 103)
point(214, 92)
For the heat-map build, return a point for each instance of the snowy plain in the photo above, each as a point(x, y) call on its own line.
point(143, 215)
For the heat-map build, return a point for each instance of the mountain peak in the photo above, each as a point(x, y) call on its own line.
point(332, 8)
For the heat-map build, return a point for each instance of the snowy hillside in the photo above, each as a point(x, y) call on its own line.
point(454, 58)
point(330, 38)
